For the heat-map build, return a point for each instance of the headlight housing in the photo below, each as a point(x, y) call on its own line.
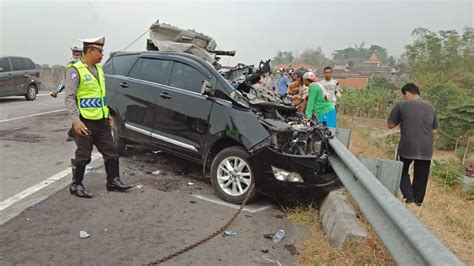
point(284, 175)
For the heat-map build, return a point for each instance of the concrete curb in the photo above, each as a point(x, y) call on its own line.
point(339, 221)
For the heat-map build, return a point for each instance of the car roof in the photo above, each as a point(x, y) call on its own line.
point(160, 53)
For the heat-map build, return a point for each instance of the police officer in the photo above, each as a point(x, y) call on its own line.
point(85, 102)
point(76, 56)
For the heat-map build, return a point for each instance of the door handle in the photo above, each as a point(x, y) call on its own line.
point(124, 84)
point(165, 95)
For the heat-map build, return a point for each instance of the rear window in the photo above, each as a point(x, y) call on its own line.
point(123, 63)
point(155, 70)
point(186, 77)
point(29, 64)
point(18, 64)
point(5, 64)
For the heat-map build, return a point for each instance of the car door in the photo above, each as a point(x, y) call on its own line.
point(141, 93)
point(182, 114)
point(19, 76)
point(6, 77)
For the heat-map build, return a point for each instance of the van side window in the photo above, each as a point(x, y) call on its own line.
point(18, 64)
point(186, 77)
point(5, 64)
point(155, 70)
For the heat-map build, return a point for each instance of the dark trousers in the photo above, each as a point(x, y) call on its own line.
point(414, 191)
point(99, 135)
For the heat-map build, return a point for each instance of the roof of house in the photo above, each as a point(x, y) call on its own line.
point(374, 59)
point(353, 83)
point(295, 66)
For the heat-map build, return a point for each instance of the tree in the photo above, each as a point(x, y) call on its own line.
point(314, 57)
point(283, 57)
point(442, 64)
point(358, 54)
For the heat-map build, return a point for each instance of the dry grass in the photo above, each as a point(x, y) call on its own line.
point(318, 251)
point(445, 211)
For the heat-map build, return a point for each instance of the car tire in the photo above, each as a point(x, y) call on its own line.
point(232, 175)
point(119, 143)
point(31, 93)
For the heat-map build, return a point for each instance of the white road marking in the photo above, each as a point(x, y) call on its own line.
point(37, 187)
point(230, 205)
point(27, 116)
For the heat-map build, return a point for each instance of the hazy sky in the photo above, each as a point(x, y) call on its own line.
point(45, 31)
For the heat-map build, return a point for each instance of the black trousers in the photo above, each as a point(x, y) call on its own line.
point(415, 191)
point(100, 136)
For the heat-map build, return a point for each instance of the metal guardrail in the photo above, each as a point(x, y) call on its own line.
point(405, 237)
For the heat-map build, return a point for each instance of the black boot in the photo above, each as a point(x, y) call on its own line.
point(113, 180)
point(77, 188)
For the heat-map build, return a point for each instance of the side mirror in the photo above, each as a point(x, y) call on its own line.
point(207, 88)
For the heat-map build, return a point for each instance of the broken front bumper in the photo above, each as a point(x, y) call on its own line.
point(318, 176)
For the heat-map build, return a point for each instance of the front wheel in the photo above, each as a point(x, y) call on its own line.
point(31, 93)
point(232, 175)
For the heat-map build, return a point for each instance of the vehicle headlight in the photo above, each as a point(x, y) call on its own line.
point(284, 175)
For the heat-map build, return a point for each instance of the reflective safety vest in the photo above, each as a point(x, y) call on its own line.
point(91, 93)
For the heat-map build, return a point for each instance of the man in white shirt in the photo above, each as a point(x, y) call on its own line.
point(330, 85)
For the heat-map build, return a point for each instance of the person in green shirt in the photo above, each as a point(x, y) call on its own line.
point(318, 103)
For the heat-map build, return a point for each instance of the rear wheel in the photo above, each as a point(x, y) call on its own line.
point(119, 143)
point(232, 175)
point(31, 93)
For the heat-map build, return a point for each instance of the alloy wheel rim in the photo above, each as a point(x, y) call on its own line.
point(234, 176)
point(31, 93)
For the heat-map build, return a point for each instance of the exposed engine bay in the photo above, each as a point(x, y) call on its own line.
point(291, 133)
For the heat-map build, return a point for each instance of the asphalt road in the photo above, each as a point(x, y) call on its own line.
point(167, 210)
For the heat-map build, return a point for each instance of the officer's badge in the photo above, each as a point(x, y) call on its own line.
point(88, 77)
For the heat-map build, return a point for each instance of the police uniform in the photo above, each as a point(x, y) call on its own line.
point(86, 101)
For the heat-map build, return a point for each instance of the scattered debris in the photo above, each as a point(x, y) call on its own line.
point(279, 235)
point(38, 205)
point(91, 170)
point(265, 250)
point(190, 184)
point(279, 216)
point(105, 229)
point(292, 249)
point(269, 236)
point(157, 172)
point(193, 202)
point(138, 186)
point(229, 233)
point(27, 219)
point(84, 234)
point(157, 151)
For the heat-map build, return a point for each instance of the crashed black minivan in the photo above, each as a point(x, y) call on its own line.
point(179, 103)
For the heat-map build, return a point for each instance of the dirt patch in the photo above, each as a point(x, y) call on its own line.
point(165, 184)
point(19, 135)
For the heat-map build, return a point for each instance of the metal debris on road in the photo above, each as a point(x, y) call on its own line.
point(157, 172)
point(193, 202)
point(138, 186)
point(27, 219)
point(264, 250)
point(229, 233)
point(38, 205)
point(157, 151)
point(84, 234)
point(190, 184)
